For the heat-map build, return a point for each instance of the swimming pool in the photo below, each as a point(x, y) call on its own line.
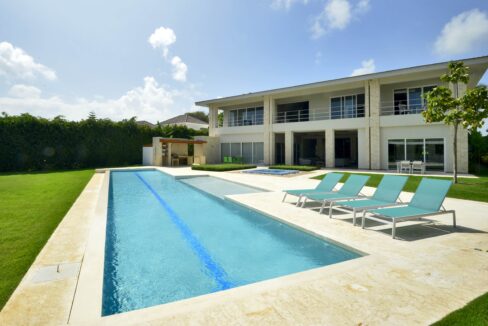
point(271, 171)
point(167, 241)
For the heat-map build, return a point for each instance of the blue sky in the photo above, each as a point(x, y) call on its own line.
point(154, 59)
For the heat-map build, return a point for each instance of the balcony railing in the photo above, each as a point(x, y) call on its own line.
point(399, 108)
point(327, 114)
point(243, 122)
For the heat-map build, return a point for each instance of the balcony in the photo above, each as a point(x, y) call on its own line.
point(402, 108)
point(324, 114)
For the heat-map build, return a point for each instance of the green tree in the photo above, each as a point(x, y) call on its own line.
point(467, 111)
point(199, 115)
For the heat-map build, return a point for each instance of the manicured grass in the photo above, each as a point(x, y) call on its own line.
point(474, 313)
point(466, 188)
point(222, 167)
point(31, 206)
point(295, 167)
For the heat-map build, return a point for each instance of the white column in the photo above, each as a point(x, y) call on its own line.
point(267, 130)
point(157, 151)
point(374, 122)
point(212, 120)
point(329, 148)
point(462, 140)
point(288, 147)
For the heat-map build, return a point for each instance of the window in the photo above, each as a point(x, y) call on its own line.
point(245, 117)
point(292, 112)
point(344, 107)
point(249, 152)
point(429, 150)
point(410, 100)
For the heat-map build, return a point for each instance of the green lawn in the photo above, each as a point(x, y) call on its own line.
point(222, 167)
point(466, 188)
point(32, 205)
point(474, 313)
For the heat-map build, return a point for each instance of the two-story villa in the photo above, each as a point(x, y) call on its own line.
point(369, 122)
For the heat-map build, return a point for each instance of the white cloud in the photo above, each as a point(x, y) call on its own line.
point(179, 69)
point(285, 4)
point(318, 57)
point(151, 101)
point(24, 91)
point(162, 38)
point(337, 14)
point(463, 33)
point(367, 67)
point(16, 64)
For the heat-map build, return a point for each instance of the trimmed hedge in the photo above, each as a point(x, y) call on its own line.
point(222, 167)
point(295, 167)
point(29, 143)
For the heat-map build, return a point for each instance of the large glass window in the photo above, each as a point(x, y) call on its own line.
point(344, 107)
point(396, 152)
point(434, 154)
point(430, 151)
point(336, 108)
point(259, 115)
point(246, 117)
point(235, 149)
point(258, 153)
point(247, 152)
point(410, 100)
point(224, 151)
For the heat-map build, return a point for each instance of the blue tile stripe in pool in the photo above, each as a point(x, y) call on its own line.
point(214, 268)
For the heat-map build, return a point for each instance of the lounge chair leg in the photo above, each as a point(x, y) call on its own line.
point(284, 197)
point(322, 208)
point(362, 219)
point(454, 219)
point(330, 209)
point(299, 200)
point(304, 202)
point(393, 231)
point(354, 217)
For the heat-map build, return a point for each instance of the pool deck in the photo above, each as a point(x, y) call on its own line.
point(418, 279)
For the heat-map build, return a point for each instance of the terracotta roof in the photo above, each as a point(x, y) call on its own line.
point(183, 118)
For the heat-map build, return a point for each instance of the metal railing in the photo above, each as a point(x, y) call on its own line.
point(402, 108)
point(243, 122)
point(321, 114)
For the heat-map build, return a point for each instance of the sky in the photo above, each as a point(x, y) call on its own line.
point(154, 59)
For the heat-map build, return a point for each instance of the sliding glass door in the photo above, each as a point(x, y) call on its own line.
point(429, 150)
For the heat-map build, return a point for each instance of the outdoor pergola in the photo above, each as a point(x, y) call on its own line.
point(175, 151)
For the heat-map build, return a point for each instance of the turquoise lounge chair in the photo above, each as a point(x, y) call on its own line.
point(385, 195)
point(327, 184)
point(350, 190)
point(427, 201)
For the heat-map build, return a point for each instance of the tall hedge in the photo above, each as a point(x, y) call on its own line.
point(29, 143)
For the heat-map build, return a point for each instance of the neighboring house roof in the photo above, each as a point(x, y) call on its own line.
point(146, 123)
point(182, 119)
point(482, 61)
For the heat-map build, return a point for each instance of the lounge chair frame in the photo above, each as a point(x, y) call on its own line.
point(395, 220)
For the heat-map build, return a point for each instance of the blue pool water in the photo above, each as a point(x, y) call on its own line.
point(168, 241)
point(272, 171)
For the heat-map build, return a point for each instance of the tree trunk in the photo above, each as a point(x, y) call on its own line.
point(454, 146)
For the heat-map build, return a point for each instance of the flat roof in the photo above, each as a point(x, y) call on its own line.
point(382, 74)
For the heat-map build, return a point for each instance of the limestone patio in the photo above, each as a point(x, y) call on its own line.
point(432, 270)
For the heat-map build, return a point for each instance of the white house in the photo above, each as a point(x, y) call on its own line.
point(370, 122)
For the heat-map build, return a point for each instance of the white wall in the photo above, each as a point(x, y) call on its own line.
point(147, 156)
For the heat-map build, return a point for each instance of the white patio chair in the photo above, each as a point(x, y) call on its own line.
point(405, 166)
point(418, 166)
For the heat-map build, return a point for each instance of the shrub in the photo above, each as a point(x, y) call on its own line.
point(30, 143)
point(222, 167)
